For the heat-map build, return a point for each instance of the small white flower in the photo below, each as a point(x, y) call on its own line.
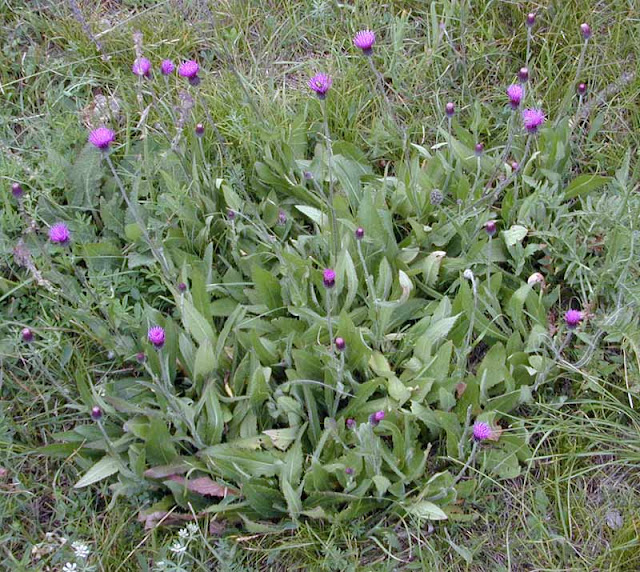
point(183, 533)
point(69, 567)
point(81, 550)
point(178, 548)
point(192, 527)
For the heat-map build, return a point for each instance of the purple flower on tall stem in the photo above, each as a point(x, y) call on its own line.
point(573, 318)
point(531, 19)
point(102, 137)
point(359, 233)
point(365, 40)
point(449, 109)
point(340, 344)
point(349, 471)
point(376, 417)
point(167, 67)
point(96, 413)
point(182, 287)
point(329, 278)
point(189, 70)
point(481, 431)
point(140, 357)
point(141, 67)
point(581, 89)
point(17, 191)
point(490, 227)
point(586, 30)
point(59, 233)
point(479, 149)
point(199, 130)
point(533, 119)
point(156, 336)
point(515, 93)
point(350, 423)
point(27, 335)
point(320, 83)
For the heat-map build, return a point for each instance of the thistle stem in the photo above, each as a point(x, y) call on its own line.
point(332, 212)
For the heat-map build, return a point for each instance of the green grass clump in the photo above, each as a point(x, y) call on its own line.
point(250, 431)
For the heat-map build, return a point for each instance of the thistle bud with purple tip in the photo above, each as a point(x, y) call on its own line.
point(531, 20)
point(515, 93)
point(329, 278)
point(199, 130)
point(17, 191)
point(96, 413)
point(376, 417)
point(490, 227)
point(350, 423)
point(27, 335)
point(359, 233)
point(167, 67)
point(340, 344)
point(523, 74)
point(141, 67)
point(573, 318)
point(585, 29)
point(156, 336)
point(479, 149)
point(581, 89)
point(450, 109)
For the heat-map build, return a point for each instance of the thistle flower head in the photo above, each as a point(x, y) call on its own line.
point(365, 40)
point(531, 19)
point(199, 130)
point(450, 109)
point(320, 83)
point(350, 423)
point(140, 357)
point(515, 165)
point(17, 191)
point(96, 413)
point(282, 218)
point(536, 278)
point(573, 318)
point(329, 278)
point(59, 233)
point(156, 336)
point(479, 149)
point(523, 75)
point(359, 233)
point(102, 137)
point(585, 29)
point(533, 119)
point(231, 214)
point(376, 417)
point(27, 335)
point(349, 471)
point(515, 93)
point(436, 197)
point(167, 67)
point(189, 69)
point(481, 431)
point(490, 227)
point(141, 67)
point(581, 89)
point(182, 287)
point(340, 344)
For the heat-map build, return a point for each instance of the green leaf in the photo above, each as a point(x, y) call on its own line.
point(104, 468)
point(426, 510)
point(205, 362)
point(196, 324)
point(268, 288)
point(267, 501)
point(316, 215)
point(159, 446)
point(514, 235)
point(584, 184)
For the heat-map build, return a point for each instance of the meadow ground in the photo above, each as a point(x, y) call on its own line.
point(566, 497)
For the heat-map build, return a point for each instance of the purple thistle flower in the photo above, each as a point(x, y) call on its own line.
point(531, 19)
point(573, 318)
point(17, 191)
point(490, 227)
point(182, 287)
point(102, 137)
point(282, 218)
point(349, 471)
point(199, 130)
point(329, 278)
point(481, 431)
point(479, 149)
point(141, 67)
point(376, 417)
point(350, 423)
point(586, 30)
point(27, 335)
point(140, 357)
point(450, 109)
point(359, 233)
point(515, 93)
point(167, 67)
point(533, 118)
point(340, 344)
point(523, 75)
point(515, 165)
point(59, 233)
point(231, 214)
point(320, 83)
point(96, 413)
point(582, 89)
point(365, 40)
point(189, 70)
point(156, 336)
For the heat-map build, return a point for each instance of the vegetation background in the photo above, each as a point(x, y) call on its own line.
point(575, 500)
